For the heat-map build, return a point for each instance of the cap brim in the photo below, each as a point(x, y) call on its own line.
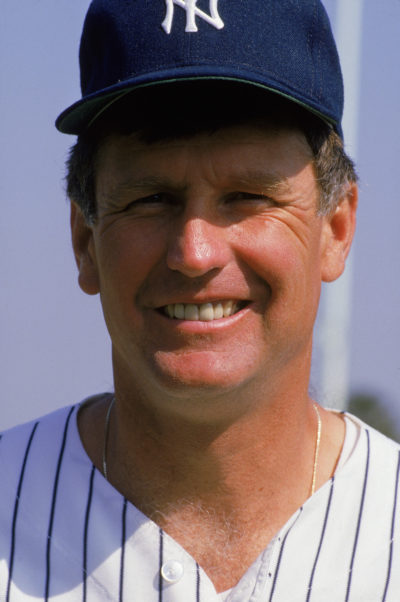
point(81, 115)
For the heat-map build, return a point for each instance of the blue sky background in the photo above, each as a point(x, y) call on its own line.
point(54, 349)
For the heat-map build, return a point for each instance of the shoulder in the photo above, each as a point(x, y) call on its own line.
point(31, 451)
point(46, 482)
point(35, 457)
point(17, 443)
point(376, 452)
point(370, 472)
point(375, 442)
point(30, 460)
point(42, 438)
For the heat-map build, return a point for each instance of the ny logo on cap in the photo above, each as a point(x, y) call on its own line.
point(192, 11)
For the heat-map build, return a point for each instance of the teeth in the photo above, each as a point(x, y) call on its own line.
point(205, 312)
point(191, 312)
point(179, 311)
point(218, 311)
point(227, 307)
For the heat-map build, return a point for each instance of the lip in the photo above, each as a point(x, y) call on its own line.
point(198, 326)
point(200, 299)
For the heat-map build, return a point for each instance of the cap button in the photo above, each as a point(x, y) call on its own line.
point(172, 571)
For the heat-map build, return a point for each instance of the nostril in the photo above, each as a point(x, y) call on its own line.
point(200, 248)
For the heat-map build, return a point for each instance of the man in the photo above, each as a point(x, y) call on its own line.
point(210, 196)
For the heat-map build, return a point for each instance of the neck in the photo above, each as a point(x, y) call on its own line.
point(270, 451)
point(222, 490)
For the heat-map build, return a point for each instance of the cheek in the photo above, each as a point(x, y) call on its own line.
point(126, 258)
point(288, 263)
point(128, 254)
point(272, 250)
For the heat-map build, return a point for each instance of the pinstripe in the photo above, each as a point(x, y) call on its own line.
point(161, 560)
point(328, 507)
point(280, 556)
point(319, 522)
point(392, 530)
point(360, 512)
point(197, 583)
point(122, 566)
point(53, 503)
point(15, 514)
point(86, 531)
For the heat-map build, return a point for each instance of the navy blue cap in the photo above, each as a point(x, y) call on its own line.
point(284, 46)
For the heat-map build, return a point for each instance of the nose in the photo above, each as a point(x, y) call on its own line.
point(198, 247)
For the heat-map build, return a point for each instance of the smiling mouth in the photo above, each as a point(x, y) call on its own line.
point(203, 312)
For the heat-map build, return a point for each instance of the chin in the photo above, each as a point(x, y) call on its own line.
point(201, 372)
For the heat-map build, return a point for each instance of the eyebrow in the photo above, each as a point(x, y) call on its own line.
point(147, 183)
point(266, 182)
point(262, 180)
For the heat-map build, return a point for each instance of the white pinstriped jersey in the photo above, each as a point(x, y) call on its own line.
point(66, 534)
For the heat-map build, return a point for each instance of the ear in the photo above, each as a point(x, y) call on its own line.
point(338, 232)
point(82, 243)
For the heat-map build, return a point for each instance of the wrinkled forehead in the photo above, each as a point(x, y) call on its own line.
point(255, 142)
point(249, 156)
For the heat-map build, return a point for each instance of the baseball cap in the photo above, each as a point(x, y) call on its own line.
point(283, 46)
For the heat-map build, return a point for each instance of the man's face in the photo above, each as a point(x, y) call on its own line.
point(208, 254)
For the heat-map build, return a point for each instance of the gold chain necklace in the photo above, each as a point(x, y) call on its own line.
point(316, 452)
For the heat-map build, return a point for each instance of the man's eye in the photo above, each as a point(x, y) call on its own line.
point(248, 196)
point(152, 198)
point(150, 201)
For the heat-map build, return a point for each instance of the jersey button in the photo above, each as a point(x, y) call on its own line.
point(172, 571)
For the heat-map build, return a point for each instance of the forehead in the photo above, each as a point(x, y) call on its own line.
point(212, 116)
point(254, 133)
point(251, 155)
